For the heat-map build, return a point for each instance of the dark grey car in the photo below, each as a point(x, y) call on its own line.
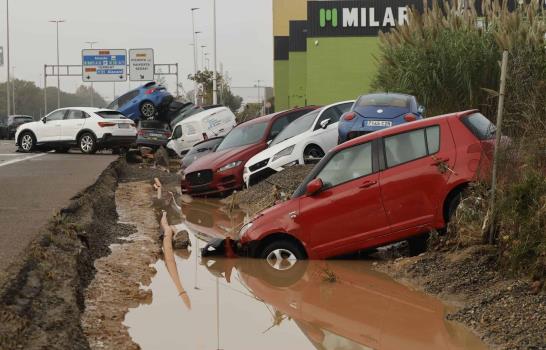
point(152, 133)
point(14, 121)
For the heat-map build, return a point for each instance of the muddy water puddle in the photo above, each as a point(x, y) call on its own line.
point(247, 304)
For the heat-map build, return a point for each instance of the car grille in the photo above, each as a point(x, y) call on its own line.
point(355, 134)
point(260, 176)
point(259, 165)
point(199, 178)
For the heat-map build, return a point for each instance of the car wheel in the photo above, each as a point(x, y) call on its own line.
point(282, 255)
point(312, 154)
point(27, 142)
point(283, 263)
point(452, 207)
point(148, 110)
point(87, 143)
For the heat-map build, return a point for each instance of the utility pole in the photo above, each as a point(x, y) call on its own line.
point(91, 43)
point(194, 53)
point(215, 74)
point(13, 91)
point(498, 136)
point(7, 60)
point(203, 56)
point(57, 21)
point(259, 96)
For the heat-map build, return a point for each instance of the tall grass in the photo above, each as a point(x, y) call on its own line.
point(449, 58)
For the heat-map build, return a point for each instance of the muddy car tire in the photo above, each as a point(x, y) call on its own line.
point(87, 143)
point(311, 153)
point(148, 110)
point(27, 142)
point(281, 256)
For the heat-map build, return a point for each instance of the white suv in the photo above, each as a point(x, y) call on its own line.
point(90, 129)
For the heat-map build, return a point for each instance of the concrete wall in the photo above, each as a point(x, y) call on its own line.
point(339, 68)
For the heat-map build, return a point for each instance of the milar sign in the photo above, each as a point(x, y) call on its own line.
point(357, 18)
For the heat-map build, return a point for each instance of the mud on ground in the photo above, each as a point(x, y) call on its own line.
point(264, 194)
point(42, 302)
point(506, 313)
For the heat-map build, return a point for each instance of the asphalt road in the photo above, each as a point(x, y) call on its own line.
point(33, 187)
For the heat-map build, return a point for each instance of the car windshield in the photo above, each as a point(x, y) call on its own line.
point(153, 124)
point(384, 100)
point(185, 113)
point(111, 115)
point(23, 119)
point(480, 126)
point(296, 127)
point(244, 135)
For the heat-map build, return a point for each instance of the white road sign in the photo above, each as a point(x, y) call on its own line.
point(104, 65)
point(141, 64)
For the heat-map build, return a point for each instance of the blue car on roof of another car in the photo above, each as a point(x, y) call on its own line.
point(378, 111)
point(144, 102)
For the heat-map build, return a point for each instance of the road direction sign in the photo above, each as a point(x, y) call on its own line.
point(141, 64)
point(104, 65)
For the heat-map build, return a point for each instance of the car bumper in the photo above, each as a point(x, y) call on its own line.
point(251, 178)
point(225, 181)
point(109, 140)
point(150, 142)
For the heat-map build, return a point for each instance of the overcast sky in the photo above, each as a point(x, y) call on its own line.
point(245, 42)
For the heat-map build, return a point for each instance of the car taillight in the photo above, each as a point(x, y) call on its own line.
point(349, 116)
point(410, 117)
point(168, 134)
point(141, 132)
point(106, 124)
point(150, 91)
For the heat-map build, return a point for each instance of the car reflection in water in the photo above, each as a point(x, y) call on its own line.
point(211, 219)
point(344, 305)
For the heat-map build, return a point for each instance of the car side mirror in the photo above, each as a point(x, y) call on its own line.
point(44, 120)
point(324, 124)
point(313, 187)
point(421, 109)
point(269, 142)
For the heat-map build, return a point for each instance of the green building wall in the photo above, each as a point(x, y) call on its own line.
point(297, 89)
point(340, 68)
point(281, 82)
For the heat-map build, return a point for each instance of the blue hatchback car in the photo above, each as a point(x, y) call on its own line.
point(144, 102)
point(378, 111)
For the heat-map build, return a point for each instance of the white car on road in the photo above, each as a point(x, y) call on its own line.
point(88, 128)
point(303, 141)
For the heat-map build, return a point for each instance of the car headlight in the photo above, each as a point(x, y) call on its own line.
point(230, 166)
point(285, 152)
point(245, 229)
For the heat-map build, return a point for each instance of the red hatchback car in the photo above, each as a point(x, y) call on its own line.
point(377, 189)
point(222, 171)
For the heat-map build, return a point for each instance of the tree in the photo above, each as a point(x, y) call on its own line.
point(225, 96)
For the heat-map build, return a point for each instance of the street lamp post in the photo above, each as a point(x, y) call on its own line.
point(7, 60)
point(13, 90)
point(203, 56)
point(194, 52)
point(91, 43)
point(259, 95)
point(57, 21)
point(215, 74)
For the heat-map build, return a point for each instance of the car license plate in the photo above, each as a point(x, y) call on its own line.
point(379, 123)
point(155, 135)
point(123, 125)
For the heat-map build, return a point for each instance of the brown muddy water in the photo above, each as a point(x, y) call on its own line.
point(244, 304)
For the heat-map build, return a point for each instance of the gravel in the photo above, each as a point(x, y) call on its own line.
point(279, 186)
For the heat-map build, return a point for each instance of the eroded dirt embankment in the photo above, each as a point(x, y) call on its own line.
point(42, 300)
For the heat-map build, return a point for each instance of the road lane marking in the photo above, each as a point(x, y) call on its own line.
point(22, 159)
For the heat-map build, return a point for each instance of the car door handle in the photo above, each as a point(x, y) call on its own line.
point(292, 215)
point(438, 161)
point(367, 184)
